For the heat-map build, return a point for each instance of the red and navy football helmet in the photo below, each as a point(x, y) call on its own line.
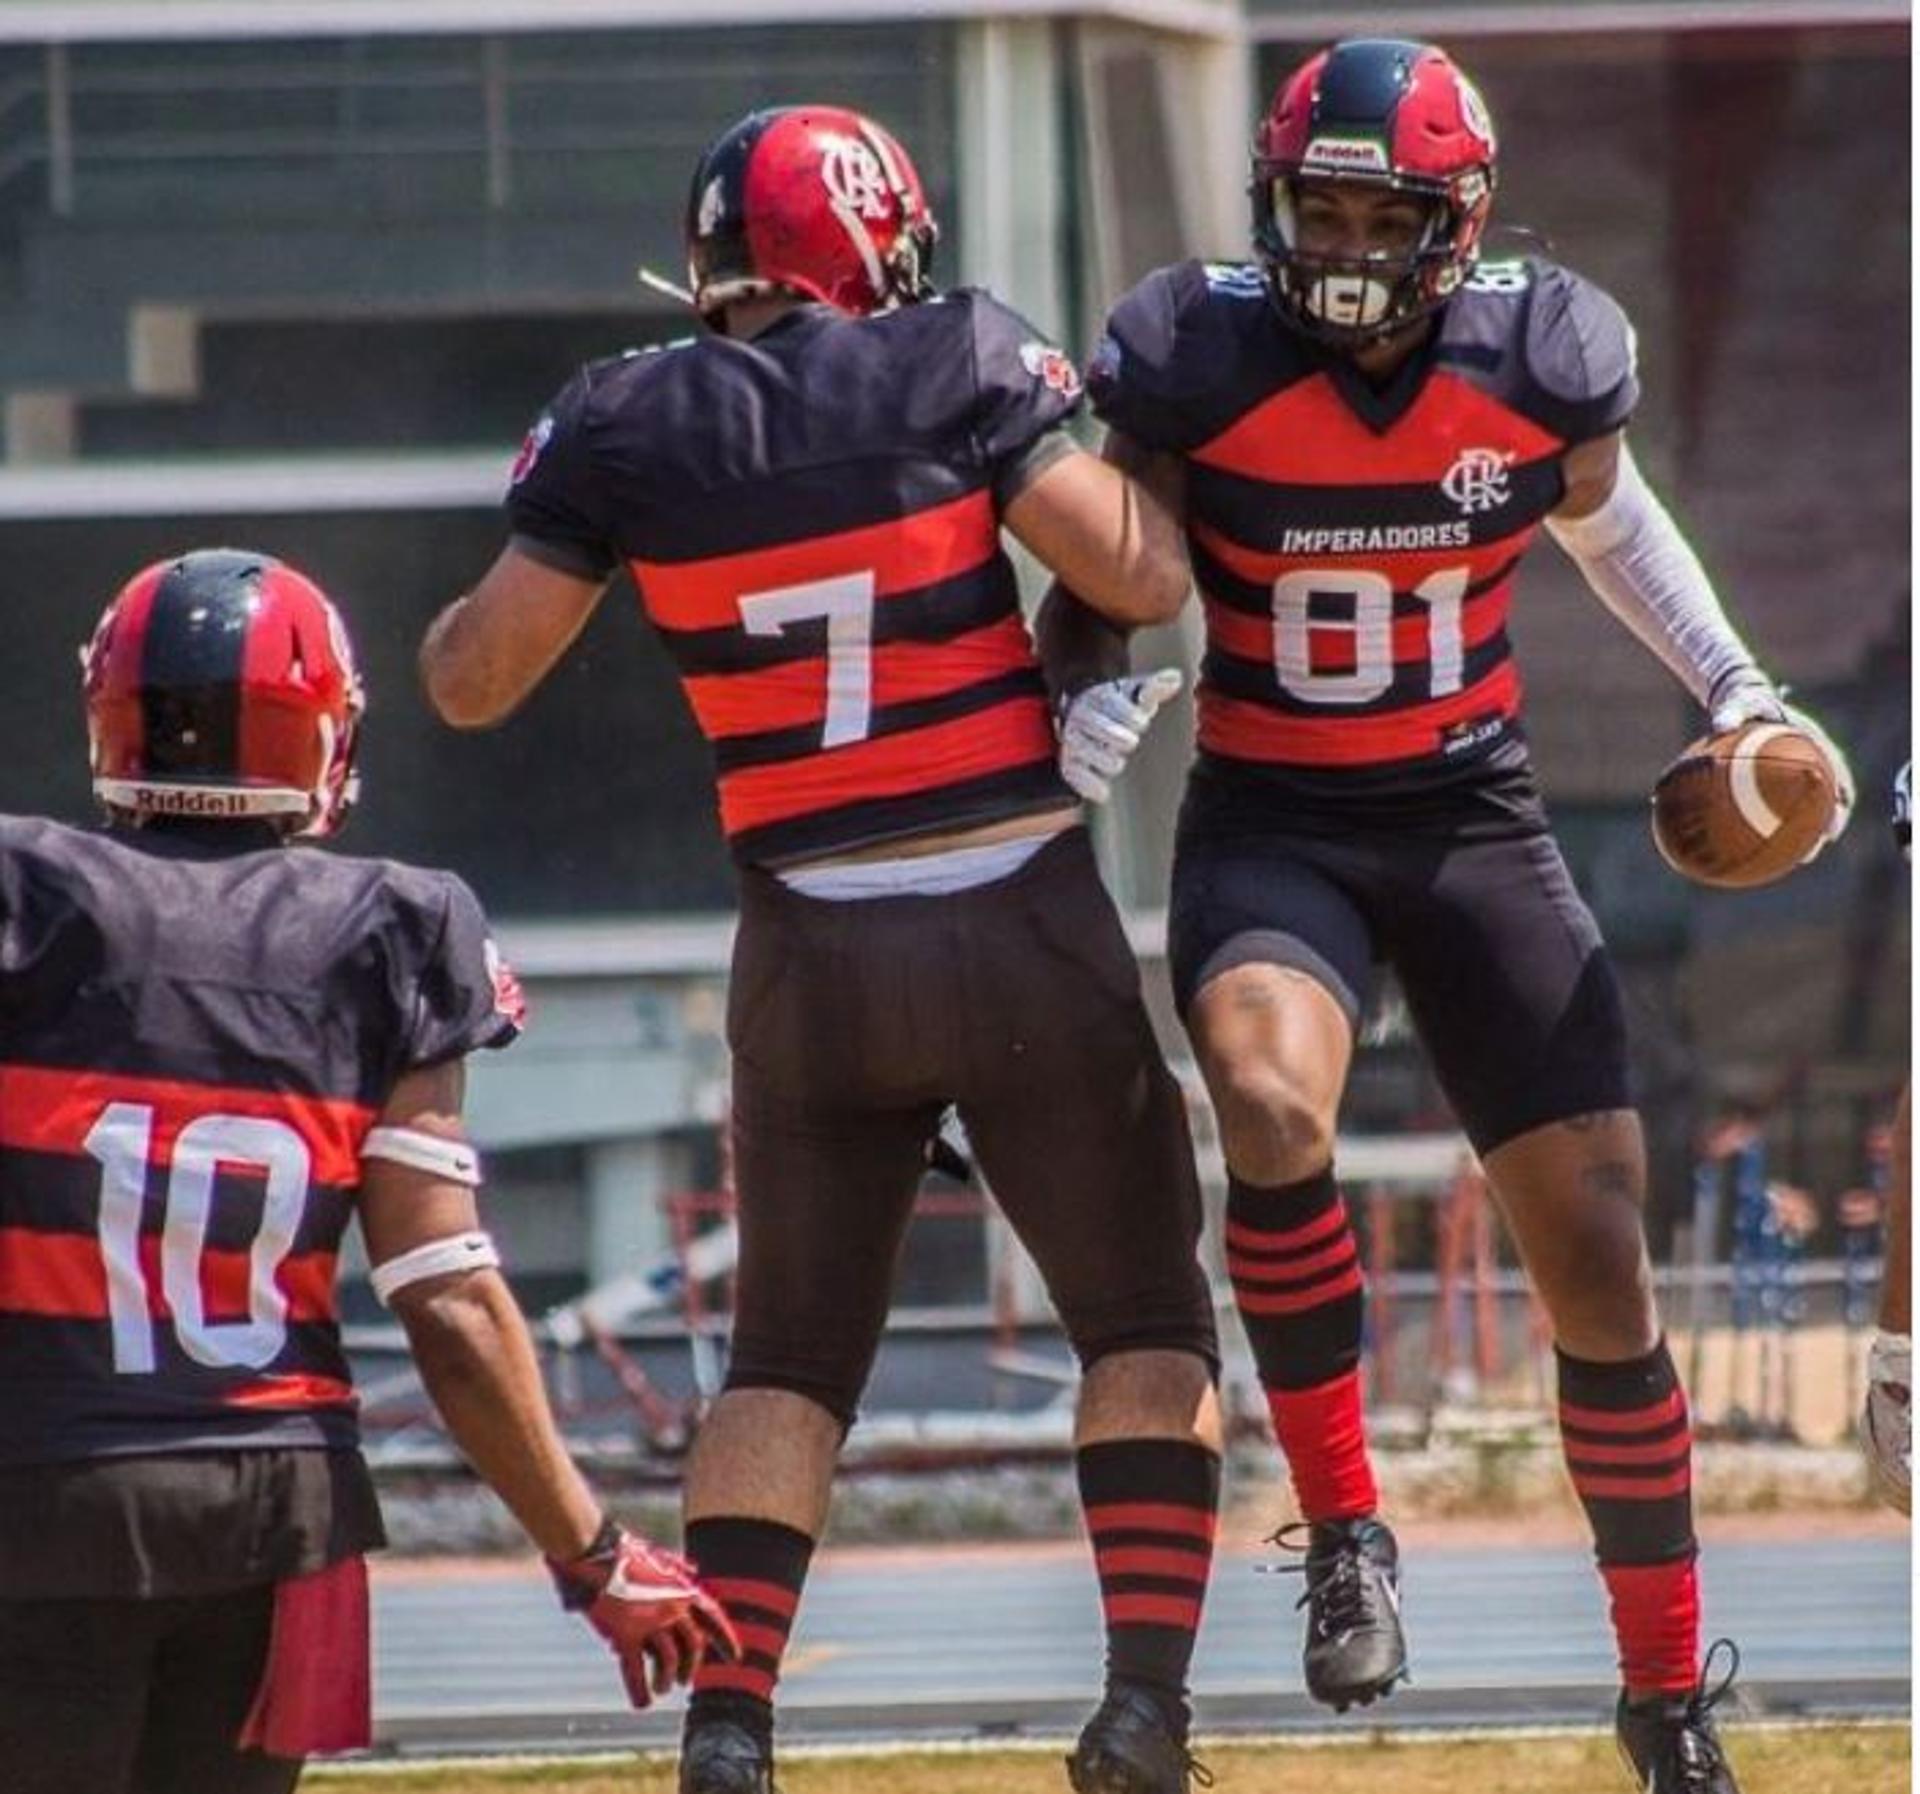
point(813, 200)
point(222, 685)
point(1395, 115)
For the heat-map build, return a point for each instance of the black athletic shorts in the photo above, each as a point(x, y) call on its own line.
point(136, 1604)
point(1501, 962)
point(853, 1026)
point(126, 1696)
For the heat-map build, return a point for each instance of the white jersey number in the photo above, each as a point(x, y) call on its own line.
point(1369, 631)
point(122, 1140)
point(847, 604)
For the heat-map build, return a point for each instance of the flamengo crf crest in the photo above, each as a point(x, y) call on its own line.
point(1478, 480)
point(855, 178)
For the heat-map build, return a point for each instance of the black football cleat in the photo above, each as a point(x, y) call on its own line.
point(1356, 1649)
point(720, 1756)
point(1129, 1746)
point(1670, 1741)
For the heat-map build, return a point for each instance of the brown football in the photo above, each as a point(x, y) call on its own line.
point(1743, 808)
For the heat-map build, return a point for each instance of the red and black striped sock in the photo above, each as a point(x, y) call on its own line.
point(1296, 1280)
point(1629, 1448)
point(755, 1569)
point(1151, 1507)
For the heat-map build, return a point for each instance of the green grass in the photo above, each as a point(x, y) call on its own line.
point(1831, 1760)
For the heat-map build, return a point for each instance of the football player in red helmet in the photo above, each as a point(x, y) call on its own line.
point(221, 1047)
point(1370, 422)
point(814, 200)
point(1402, 143)
point(221, 685)
point(811, 498)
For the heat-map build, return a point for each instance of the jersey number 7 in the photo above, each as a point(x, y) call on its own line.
point(846, 602)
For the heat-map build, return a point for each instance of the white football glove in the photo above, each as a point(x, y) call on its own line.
point(1751, 698)
point(1886, 1421)
point(1105, 723)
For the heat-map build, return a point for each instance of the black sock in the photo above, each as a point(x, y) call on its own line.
point(1151, 1507)
point(755, 1569)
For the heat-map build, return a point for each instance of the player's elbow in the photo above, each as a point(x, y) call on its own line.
point(1148, 590)
point(453, 1326)
point(462, 709)
point(458, 691)
point(1159, 589)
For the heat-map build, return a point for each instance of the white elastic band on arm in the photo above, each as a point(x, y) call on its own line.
point(453, 1160)
point(1633, 555)
point(437, 1258)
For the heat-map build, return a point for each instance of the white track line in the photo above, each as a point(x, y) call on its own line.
point(1030, 1746)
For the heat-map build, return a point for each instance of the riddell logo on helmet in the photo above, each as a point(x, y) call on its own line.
point(1342, 153)
point(172, 800)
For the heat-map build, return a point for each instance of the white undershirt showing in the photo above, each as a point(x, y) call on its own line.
point(926, 875)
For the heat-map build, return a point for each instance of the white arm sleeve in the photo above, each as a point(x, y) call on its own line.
point(1632, 554)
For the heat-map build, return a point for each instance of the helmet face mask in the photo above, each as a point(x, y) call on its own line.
point(221, 686)
point(813, 201)
point(1350, 292)
point(1383, 118)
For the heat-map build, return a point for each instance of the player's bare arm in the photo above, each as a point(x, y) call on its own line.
point(1109, 528)
point(465, 1329)
point(485, 653)
point(435, 1267)
point(1104, 712)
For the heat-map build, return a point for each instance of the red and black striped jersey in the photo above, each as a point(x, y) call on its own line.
point(194, 1041)
point(813, 521)
point(1355, 545)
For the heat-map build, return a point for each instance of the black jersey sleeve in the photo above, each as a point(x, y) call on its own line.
point(14, 948)
point(1581, 358)
point(1140, 375)
point(554, 497)
point(455, 993)
point(46, 939)
point(1025, 390)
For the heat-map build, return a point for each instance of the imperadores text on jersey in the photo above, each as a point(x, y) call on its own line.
point(1407, 538)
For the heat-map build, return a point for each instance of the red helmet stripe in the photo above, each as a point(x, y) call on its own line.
point(116, 716)
point(282, 669)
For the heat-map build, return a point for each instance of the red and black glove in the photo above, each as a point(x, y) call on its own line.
point(648, 1605)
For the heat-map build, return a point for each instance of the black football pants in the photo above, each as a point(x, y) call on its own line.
point(854, 1024)
point(130, 1696)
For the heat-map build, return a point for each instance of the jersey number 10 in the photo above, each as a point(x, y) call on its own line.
point(122, 1140)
